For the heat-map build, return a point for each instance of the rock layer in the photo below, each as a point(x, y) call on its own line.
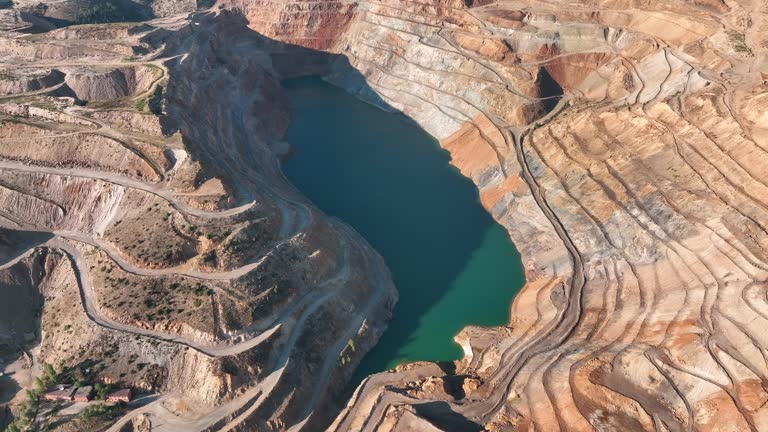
point(638, 202)
point(160, 242)
point(621, 143)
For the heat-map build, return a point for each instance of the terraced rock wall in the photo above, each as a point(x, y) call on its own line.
point(637, 201)
point(621, 143)
point(178, 260)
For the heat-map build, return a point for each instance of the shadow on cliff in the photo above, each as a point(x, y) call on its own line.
point(21, 305)
point(13, 242)
point(378, 172)
point(443, 417)
point(8, 390)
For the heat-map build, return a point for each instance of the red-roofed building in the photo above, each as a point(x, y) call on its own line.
point(60, 394)
point(83, 394)
point(122, 395)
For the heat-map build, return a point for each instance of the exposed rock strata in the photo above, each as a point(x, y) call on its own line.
point(637, 199)
point(176, 258)
point(638, 203)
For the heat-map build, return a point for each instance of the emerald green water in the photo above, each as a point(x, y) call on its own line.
point(452, 264)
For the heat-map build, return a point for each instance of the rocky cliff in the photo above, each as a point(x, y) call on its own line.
point(150, 240)
point(621, 143)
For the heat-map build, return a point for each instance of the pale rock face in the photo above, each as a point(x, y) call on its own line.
point(100, 85)
point(640, 211)
point(25, 81)
point(159, 239)
point(621, 144)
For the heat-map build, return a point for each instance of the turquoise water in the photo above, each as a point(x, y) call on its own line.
point(452, 264)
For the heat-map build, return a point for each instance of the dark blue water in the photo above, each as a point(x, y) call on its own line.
point(452, 264)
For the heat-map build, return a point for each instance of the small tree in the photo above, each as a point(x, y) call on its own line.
point(40, 9)
point(102, 411)
point(50, 373)
point(39, 386)
point(102, 390)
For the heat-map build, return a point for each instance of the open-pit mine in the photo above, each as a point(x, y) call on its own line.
point(388, 215)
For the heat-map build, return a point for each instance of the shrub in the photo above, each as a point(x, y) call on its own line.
point(105, 11)
point(39, 386)
point(201, 290)
point(102, 390)
point(50, 373)
point(101, 411)
point(38, 9)
point(155, 102)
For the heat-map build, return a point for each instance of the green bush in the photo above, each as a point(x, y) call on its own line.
point(102, 411)
point(201, 290)
point(102, 390)
point(39, 386)
point(156, 101)
point(105, 11)
point(50, 373)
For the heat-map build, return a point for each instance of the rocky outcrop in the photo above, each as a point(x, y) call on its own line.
point(80, 150)
point(166, 8)
point(145, 123)
point(635, 198)
point(316, 24)
point(98, 85)
point(622, 145)
point(177, 259)
point(28, 81)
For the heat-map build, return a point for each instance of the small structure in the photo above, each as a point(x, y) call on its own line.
point(83, 394)
point(60, 394)
point(122, 395)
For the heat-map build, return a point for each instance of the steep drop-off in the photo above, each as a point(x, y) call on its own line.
point(637, 199)
point(161, 248)
point(388, 179)
point(638, 203)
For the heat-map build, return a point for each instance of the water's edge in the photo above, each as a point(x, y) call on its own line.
point(380, 173)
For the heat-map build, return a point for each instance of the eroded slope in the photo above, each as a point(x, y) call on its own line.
point(638, 202)
point(151, 229)
point(622, 144)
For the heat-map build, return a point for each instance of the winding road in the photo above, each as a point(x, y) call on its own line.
point(296, 217)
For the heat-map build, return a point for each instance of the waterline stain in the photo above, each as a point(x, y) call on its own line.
point(453, 265)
